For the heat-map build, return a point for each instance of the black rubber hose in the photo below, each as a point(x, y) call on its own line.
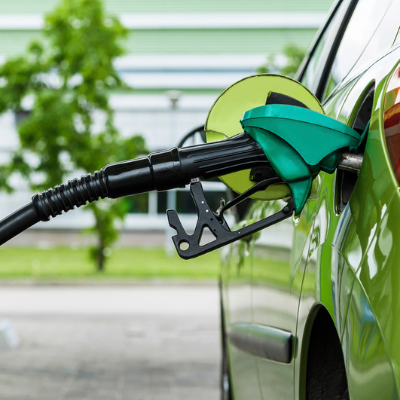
point(18, 222)
point(160, 171)
point(66, 197)
point(53, 202)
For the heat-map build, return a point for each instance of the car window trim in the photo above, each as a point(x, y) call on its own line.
point(317, 39)
point(334, 49)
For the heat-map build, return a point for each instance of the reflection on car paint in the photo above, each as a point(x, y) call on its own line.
point(347, 263)
point(274, 302)
point(367, 360)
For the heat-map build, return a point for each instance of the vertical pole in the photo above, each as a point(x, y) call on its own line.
point(173, 96)
point(153, 203)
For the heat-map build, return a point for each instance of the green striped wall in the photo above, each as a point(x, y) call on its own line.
point(213, 41)
point(218, 5)
point(16, 42)
point(132, 6)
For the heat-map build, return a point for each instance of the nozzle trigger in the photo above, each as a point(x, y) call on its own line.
point(188, 246)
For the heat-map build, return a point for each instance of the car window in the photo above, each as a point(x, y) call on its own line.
point(363, 23)
point(318, 58)
point(386, 35)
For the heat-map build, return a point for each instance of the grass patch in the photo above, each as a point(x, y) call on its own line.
point(123, 263)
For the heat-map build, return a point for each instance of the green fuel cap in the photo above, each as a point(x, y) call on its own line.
point(224, 118)
point(299, 141)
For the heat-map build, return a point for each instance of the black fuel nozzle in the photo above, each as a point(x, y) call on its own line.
point(175, 167)
point(159, 171)
point(287, 140)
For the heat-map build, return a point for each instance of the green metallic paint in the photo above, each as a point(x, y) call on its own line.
point(346, 263)
point(344, 251)
point(379, 274)
point(237, 264)
point(274, 303)
point(369, 371)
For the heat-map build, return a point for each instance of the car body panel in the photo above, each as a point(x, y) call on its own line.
point(352, 248)
point(274, 303)
point(370, 373)
point(342, 260)
point(236, 291)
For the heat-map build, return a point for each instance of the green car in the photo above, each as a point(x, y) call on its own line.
point(310, 307)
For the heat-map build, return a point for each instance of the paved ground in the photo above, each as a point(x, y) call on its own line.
point(66, 237)
point(136, 342)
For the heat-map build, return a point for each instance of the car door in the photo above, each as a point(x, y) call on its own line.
point(281, 252)
point(281, 258)
point(261, 282)
point(265, 275)
point(236, 299)
point(349, 208)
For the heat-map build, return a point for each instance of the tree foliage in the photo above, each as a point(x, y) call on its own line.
point(293, 56)
point(68, 77)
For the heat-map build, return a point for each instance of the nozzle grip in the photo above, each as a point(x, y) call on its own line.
point(175, 167)
point(220, 158)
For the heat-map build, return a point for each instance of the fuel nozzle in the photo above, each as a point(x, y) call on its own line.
point(163, 170)
point(284, 139)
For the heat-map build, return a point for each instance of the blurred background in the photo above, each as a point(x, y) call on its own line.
point(173, 58)
point(84, 83)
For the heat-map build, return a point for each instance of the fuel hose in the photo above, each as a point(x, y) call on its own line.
point(163, 170)
point(295, 143)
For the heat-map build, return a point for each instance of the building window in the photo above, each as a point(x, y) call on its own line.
point(20, 115)
point(156, 202)
point(139, 204)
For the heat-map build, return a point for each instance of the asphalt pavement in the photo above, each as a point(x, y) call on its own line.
point(111, 342)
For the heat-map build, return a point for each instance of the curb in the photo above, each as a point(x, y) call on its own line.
point(110, 282)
